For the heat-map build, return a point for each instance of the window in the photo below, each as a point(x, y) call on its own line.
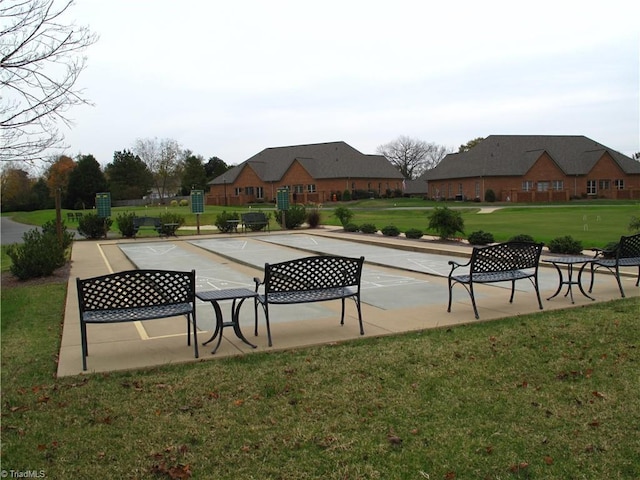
point(248, 190)
point(298, 189)
point(619, 184)
point(604, 184)
point(543, 186)
point(311, 188)
point(459, 189)
point(592, 187)
point(237, 191)
point(557, 185)
point(527, 185)
point(259, 192)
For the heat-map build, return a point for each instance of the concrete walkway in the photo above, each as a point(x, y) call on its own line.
point(404, 288)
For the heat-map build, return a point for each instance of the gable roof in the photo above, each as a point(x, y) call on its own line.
point(514, 155)
point(321, 160)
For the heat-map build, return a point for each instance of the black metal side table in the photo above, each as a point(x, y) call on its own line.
point(238, 295)
point(570, 262)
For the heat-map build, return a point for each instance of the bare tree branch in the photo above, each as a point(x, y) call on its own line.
point(411, 156)
point(40, 63)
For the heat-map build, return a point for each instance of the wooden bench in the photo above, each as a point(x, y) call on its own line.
point(135, 295)
point(310, 279)
point(625, 254)
point(254, 221)
point(504, 262)
point(146, 222)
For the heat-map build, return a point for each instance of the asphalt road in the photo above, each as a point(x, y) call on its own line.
point(11, 232)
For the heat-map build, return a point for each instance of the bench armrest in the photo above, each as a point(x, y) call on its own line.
point(455, 265)
point(258, 282)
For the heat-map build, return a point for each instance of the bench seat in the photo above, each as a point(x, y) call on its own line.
point(492, 277)
point(626, 254)
point(309, 295)
point(137, 314)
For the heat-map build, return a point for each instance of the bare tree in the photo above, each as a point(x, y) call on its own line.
point(412, 156)
point(163, 158)
point(40, 62)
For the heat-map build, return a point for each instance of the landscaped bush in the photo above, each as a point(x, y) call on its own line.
point(343, 214)
point(173, 203)
point(38, 256)
point(446, 222)
point(171, 217)
point(634, 224)
point(489, 195)
point(368, 228)
point(221, 221)
point(294, 217)
point(184, 202)
point(125, 224)
point(480, 238)
point(313, 218)
point(346, 196)
point(523, 237)
point(92, 226)
point(565, 244)
point(413, 233)
point(351, 227)
point(67, 237)
point(390, 231)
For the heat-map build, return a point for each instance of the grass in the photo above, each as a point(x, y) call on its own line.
point(594, 223)
point(548, 395)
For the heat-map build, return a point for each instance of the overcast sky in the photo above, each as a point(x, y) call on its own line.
point(231, 78)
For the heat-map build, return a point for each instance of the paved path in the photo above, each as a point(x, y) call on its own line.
point(11, 232)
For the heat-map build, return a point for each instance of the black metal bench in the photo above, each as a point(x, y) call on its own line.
point(254, 221)
point(504, 262)
point(310, 279)
point(135, 295)
point(146, 222)
point(625, 254)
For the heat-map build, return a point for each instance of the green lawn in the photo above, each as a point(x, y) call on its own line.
point(593, 223)
point(548, 395)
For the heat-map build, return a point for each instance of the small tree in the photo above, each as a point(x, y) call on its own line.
point(446, 222)
point(343, 214)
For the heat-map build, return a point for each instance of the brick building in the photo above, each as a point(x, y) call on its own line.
point(533, 168)
point(313, 173)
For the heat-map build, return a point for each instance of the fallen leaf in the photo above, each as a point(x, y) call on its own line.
point(548, 460)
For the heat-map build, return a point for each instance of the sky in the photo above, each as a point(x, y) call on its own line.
point(231, 78)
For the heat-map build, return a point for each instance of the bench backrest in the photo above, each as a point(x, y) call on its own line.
point(505, 256)
point(313, 273)
point(147, 222)
point(136, 288)
point(254, 217)
point(629, 247)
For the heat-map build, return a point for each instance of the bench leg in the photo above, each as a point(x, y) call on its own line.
point(473, 301)
point(192, 317)
point(83, 341)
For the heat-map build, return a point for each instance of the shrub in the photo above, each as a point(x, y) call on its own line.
point(173, 203)
point(523, 237)
point(368, 228)
point(480, 238)
point(446, 222)
point(184, 202)
point(351, 227)
point(125, 224)
point(67, 237)
point(413, 233)
point(294, 217)
point(221, 221)
point(170, 217)
point(346, 196)
point(634, 224)
point(343, 214)
point(92, 226)
point(313, 218)
point(38, 256)
point(565, 244)
point(489, 195)
point(390, 231)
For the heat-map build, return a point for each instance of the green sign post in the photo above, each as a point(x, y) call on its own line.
point(103, 204)
point(283, 199)
point(197, 206)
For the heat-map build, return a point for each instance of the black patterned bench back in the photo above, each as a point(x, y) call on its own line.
point(505, 256)
point(254, 217)
point(629, 247)
point(136, 288)
point(313, 273)
point(147, 222)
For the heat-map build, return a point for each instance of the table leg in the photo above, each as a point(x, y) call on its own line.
point(235, 321)
point(560, 282)
point(580, 282)
point(218, 328)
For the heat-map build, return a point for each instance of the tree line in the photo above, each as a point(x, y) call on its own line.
point(158, 168)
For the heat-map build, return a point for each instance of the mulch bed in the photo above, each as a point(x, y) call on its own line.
point(61, 275)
